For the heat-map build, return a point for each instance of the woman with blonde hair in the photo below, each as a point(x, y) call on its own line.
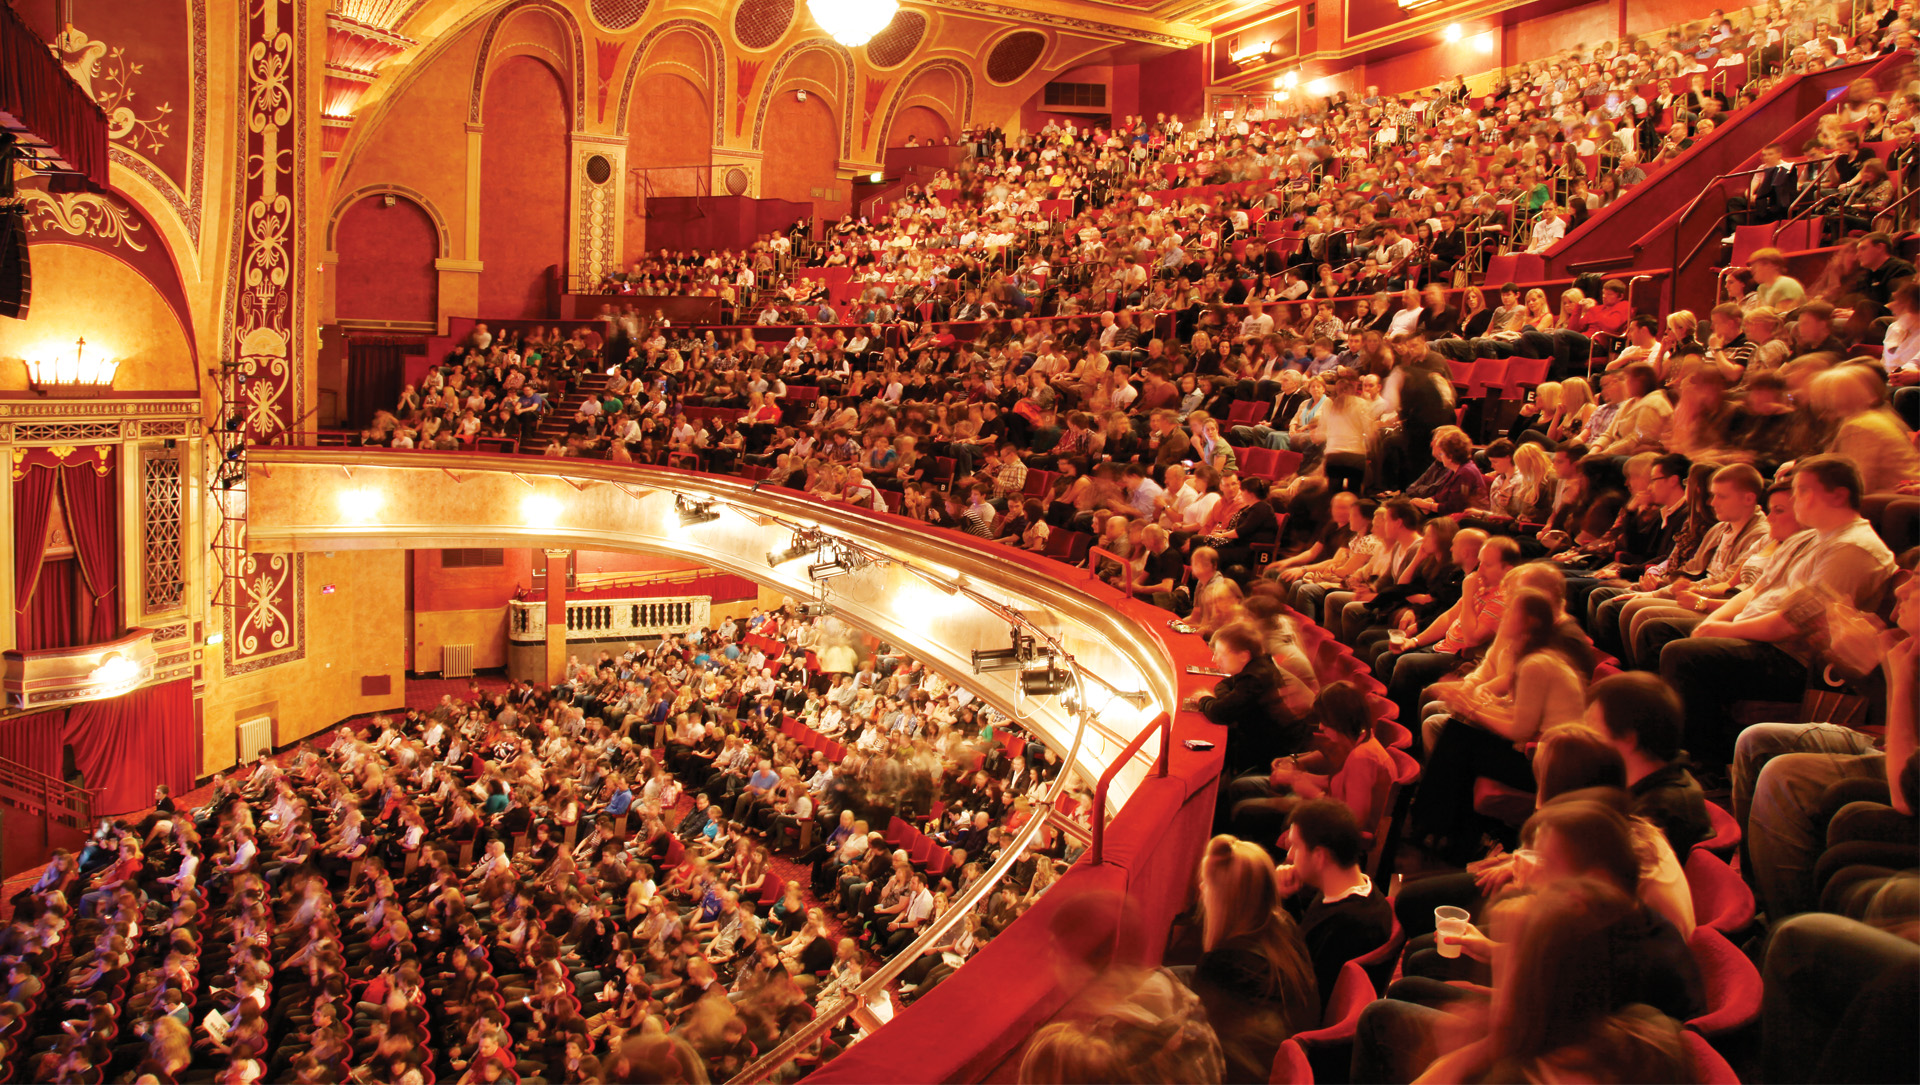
point(1533, 495)
point(1539, 317)
point(1254, 976)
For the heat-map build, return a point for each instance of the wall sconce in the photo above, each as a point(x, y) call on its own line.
point(82, 376)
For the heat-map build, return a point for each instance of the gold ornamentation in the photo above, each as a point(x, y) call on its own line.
point(61, 452)
point(263, 615)
point(82, 214)
point(87, 60)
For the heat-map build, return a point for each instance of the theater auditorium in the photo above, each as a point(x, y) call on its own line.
point(963, 541)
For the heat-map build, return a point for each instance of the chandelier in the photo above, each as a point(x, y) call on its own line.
point(853, 23)
point(76, 376)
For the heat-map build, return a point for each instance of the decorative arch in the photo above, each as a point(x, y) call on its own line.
point(716, 68)
point(443, 248)
point(578, 76)
point(962, 73)
point(844, 55)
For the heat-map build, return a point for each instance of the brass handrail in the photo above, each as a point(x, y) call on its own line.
point(826, 1018)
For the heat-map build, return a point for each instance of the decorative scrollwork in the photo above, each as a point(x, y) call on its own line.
point(82, 214)
point(265, 611)
point(104, 72)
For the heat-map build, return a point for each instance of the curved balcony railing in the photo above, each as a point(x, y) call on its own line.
point(941, 593)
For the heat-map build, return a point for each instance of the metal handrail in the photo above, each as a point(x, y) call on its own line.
point(1126, 567)
point(1895, 203)
point(1163, 723)
point(856, 1001)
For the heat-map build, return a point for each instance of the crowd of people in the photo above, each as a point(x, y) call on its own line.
point(572, 883)
point(1570, 596)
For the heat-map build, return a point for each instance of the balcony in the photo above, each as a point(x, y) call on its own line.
point(62, 676)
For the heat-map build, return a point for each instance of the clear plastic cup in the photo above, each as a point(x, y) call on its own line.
point(1450, 922)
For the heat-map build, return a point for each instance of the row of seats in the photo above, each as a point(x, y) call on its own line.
point(1723, 905)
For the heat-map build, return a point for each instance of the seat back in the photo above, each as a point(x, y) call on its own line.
point(1721, 898)
point(1709, 1066)
point(1330, 1048)
point(1726, 832)
point(1290, 1066)
point(1732, 985)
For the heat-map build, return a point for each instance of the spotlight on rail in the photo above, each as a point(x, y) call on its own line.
point(693, 511)
point(1046, 680)
point(1011, 658)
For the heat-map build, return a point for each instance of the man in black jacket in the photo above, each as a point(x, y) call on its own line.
point(1248, 704)
point(1449, 247)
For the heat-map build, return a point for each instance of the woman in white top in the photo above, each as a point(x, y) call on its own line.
point(1345, 428)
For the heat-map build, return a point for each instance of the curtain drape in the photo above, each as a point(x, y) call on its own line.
point(88, 482)
point(376, 374)
point(33, 489)
point(34, 741)
point(54, 617)
point(125, 746)
point(37, 91)
point(94, 515)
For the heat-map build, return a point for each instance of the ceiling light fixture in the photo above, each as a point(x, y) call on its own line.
point(1453, 32)
point(853, 23)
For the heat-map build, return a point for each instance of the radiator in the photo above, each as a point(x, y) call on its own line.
point(456, 661)
point(254, 735)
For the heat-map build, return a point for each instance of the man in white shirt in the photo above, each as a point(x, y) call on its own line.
point(916, 907)
point(1257, 325)
point(1548, 229)
point(1760, 644)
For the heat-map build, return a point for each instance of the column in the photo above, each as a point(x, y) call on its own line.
point(556, 615)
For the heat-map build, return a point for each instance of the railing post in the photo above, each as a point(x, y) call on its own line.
point(1162, 723)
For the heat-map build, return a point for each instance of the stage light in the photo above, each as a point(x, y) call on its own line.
point(539, 510)
point(1453, 32)
point(1045, 680)
point(360, 506)
point(827, 570)
point(693, 512)
point(1011, 658)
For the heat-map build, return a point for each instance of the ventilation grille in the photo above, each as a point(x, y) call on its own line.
point(618, 14)
point(897, 42)
point(376, 685)
point(1015, 56)
point(760, 24)
point(456, 661)
point(253, 736)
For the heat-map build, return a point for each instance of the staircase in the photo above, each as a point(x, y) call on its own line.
point(1687, 199)
point(553, 424)
point(38, 813)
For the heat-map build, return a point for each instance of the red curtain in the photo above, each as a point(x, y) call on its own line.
point(125, 746)
point(37, 91)
point(34, 741)
point(33, 489)
point(88, 482)
point(50, 619)
point(94, 515)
